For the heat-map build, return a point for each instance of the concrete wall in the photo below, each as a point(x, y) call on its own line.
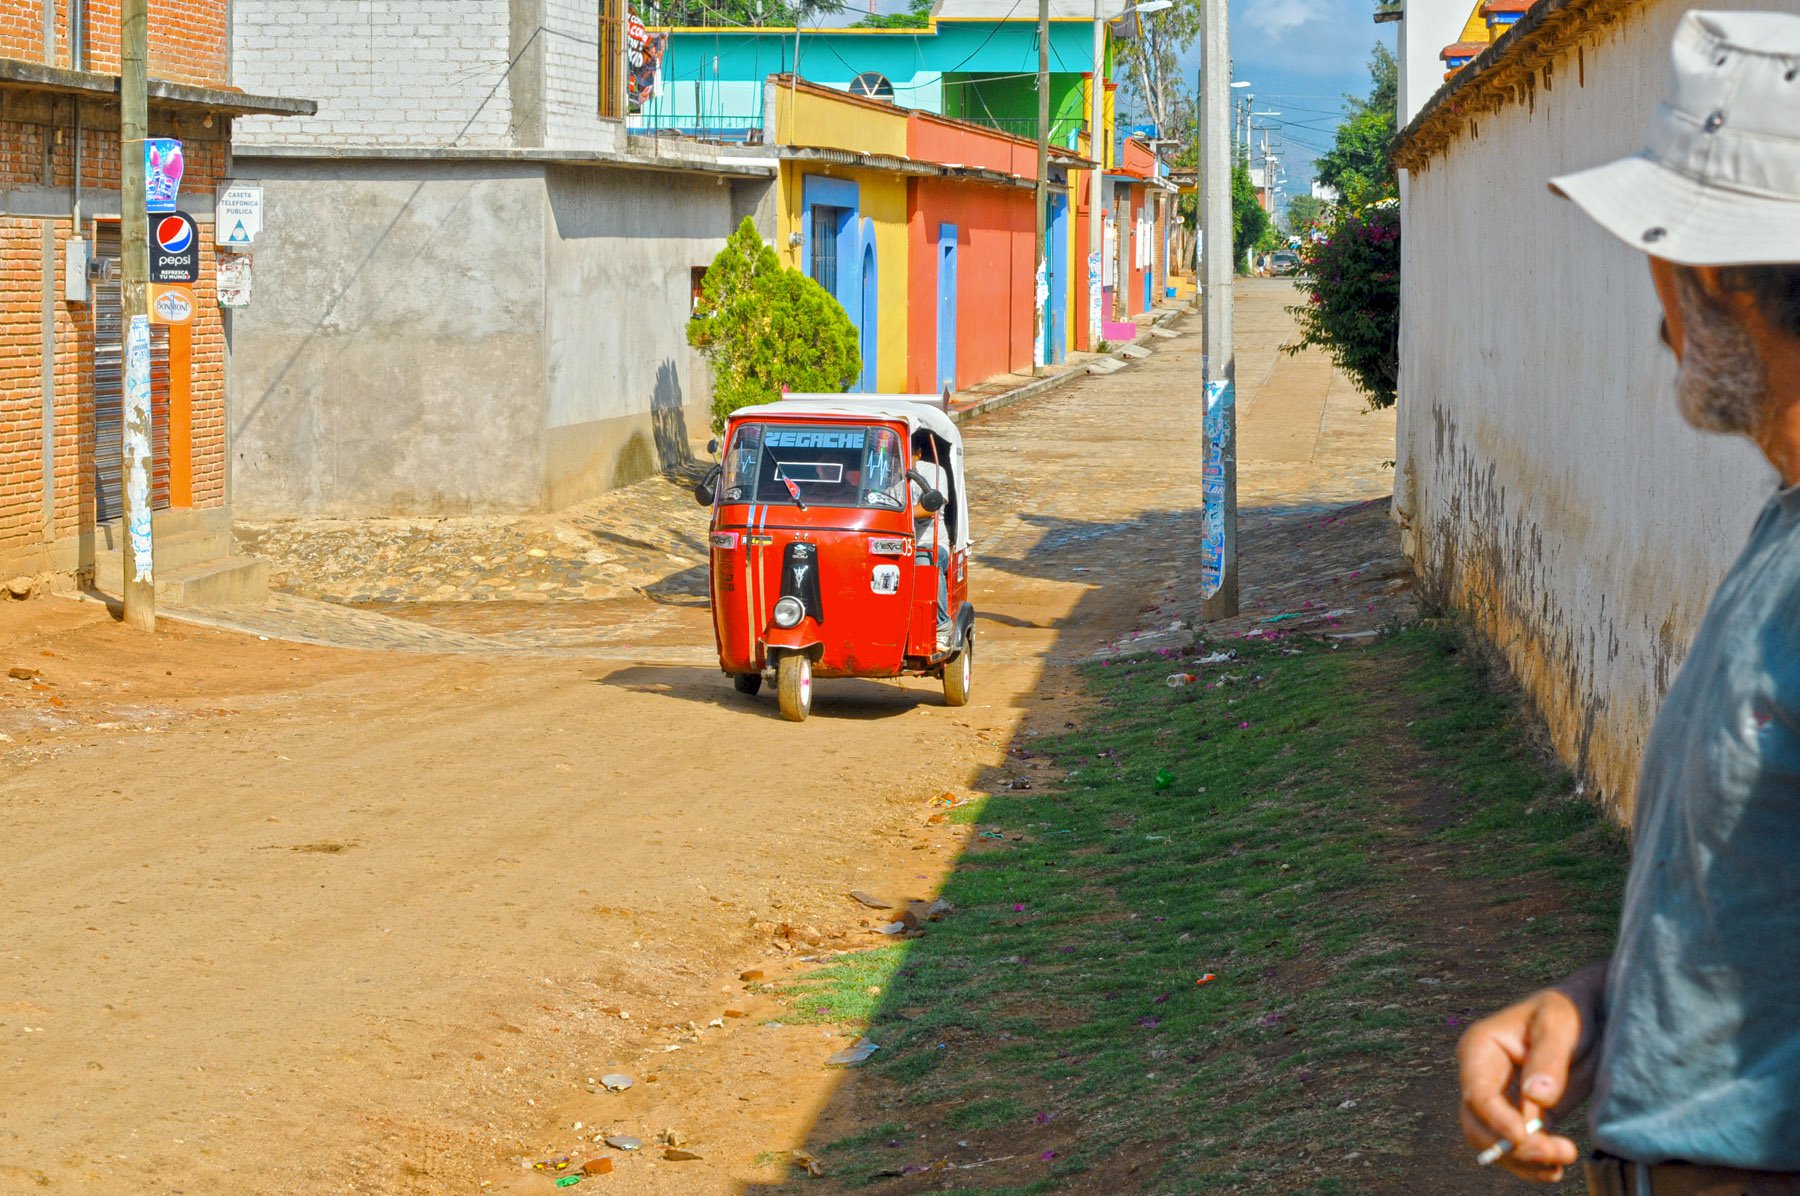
point(452, 337)
point(463, 73)
point(625, 394)
point(1546, 482)
point(397, 72)
point(392, 358)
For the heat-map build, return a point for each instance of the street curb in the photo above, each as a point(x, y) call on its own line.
point(1038, 386)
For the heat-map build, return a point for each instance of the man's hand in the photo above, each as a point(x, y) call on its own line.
point(1531, 1060)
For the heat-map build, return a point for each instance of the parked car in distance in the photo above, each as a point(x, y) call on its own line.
point(1284, 262)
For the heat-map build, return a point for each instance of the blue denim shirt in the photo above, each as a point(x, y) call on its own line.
point(1700, 1051)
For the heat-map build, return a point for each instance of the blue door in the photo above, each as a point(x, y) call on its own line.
point(871, 315)
point(1056, 305)
point(946, 308)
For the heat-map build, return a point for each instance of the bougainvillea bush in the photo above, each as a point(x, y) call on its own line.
point(763, 327)
point(1352, 283)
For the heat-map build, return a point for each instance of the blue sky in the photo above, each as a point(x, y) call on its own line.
point(1300, 57)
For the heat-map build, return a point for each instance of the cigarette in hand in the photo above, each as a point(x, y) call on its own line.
point(1491, 1155)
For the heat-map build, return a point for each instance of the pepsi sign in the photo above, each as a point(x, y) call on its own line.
point(174, 248)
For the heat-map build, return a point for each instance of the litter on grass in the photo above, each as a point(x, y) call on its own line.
point(851, 1056)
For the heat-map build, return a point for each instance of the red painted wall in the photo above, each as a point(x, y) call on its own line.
point(995, 232)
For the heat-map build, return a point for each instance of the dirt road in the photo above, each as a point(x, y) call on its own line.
point(287, 918)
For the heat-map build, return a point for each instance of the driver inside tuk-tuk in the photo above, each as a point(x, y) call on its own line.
point(931, 539)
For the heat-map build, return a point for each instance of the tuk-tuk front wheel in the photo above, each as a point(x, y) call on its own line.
point(793, 683)
point(749, 684)
point(959, 673)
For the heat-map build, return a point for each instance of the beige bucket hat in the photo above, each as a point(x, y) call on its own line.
point(1719, 184)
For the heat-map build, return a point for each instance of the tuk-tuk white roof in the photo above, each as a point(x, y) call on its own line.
point(920, 412)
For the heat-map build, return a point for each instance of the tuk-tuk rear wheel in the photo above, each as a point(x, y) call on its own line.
point(793, 683)
point(747, 683)
point(959, 674)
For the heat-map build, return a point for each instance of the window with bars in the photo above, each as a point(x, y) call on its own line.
point(824, 270)
point(612, 59)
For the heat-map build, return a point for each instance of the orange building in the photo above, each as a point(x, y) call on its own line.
point(60, 371)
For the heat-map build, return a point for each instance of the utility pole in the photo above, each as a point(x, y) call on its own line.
point(1218, 554)
point(1041, 280)
point(1096, 180)
point(137, 581)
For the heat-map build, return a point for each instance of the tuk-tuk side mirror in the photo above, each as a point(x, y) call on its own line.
point(932, 499)
point(712, 447)
point(703, 492)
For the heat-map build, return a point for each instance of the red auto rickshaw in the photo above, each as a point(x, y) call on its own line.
point(840, 545)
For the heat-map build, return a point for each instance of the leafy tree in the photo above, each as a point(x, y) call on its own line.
point(1305, 213)
point(1358, 164)
point(1352, 280)
point(916, 16)
point(1248, 220)
point(1153, 77)
point(733, 14)
point(763, 326)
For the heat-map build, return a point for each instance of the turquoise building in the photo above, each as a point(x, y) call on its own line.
point(976, 60)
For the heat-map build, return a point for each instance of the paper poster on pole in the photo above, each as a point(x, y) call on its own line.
point(1094, 301)
point(1219, 399)
point(232, 278)
point(137, 445)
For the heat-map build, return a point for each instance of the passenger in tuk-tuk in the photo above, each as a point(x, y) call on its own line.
point(931, 543)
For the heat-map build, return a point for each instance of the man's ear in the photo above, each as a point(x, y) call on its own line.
point(1716, 287)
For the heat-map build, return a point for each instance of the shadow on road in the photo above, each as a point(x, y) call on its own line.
point(846, 698)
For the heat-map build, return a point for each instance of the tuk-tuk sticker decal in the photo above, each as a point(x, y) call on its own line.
point(888, 546)
point(885, 579)
point(724, 539)
point(757, 541)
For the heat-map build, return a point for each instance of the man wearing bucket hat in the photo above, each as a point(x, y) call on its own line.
point(1689, 1036)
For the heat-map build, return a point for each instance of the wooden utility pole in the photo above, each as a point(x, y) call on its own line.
point(1041, 283)
point(137, 582)
point(1218, 565)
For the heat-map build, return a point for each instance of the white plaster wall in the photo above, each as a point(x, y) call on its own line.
point(1429, 26)
point(390, 72)
point(1547, 483)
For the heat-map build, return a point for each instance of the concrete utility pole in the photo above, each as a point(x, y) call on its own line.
point(1041, 282)
point(1218, 564)
point(137, 581)
point(1096, 179)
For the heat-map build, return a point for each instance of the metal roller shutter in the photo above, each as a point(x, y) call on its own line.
point(109, 407)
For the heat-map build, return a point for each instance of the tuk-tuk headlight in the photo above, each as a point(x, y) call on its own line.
point(789, 611)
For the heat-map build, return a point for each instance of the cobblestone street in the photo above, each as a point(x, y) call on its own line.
point(608, 577)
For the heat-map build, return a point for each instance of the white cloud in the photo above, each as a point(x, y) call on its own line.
point(1275, 18)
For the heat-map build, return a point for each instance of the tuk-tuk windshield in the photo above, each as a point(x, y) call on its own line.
point(828, 465)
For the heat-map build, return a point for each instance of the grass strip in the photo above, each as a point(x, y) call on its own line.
point(1254, 828)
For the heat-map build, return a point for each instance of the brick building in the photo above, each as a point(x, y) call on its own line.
point(59, 294)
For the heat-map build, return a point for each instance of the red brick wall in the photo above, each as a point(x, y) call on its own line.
point(22, 147)
point(187, 37)
point(21, 394)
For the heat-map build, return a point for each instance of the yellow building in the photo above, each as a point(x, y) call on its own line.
point(842, 213)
